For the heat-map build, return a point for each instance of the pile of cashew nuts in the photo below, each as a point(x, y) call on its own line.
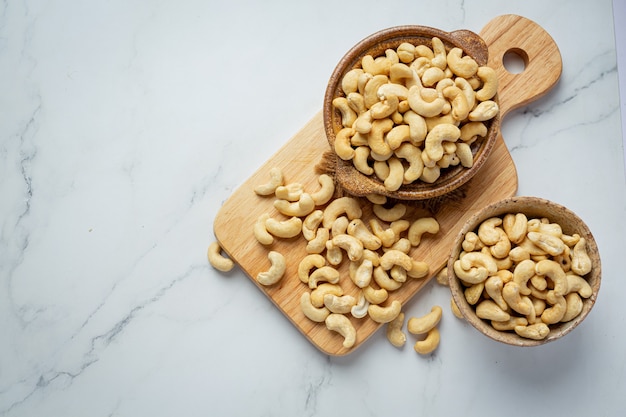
point(413, 112)
point(524, 275)
point(377, 252)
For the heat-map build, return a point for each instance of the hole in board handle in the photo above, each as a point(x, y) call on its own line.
point(515, 60)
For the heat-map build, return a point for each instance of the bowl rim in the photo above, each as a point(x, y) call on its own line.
point(502, 207)
point(453, 178)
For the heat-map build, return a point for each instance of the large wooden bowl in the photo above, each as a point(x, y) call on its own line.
point(356, 183)
point(533, 207)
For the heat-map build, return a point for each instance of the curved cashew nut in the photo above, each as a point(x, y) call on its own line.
point(352, 246)
point(536, 331)
point(340, 226)
point(515, 226)
point(260, 232)
point(490, 83)
point(356, 103)
point(348, 205)
point(406, 52)
point(217, 261)
point(422, 107)
point(555, 313)
point(361, 160)
point(363, 274)
point(395, 179)
point(574, 306)
point(290, 192)
point(417, 127)
point(339, 304)
point(363, 123)
point(316, 314)
point(386, 236)
point(399, 73)
point(342, 325)
point(578, 284)
point(394, 333)
point(334, 255)
point(464, 154)
point(493, 288)
point(472, 242)
point(524, 271)
point(423, 324)
point(421, 226)
point(413, 156)
point(474, 292)
point(440, 133)
point(395, 257)
point(487, 231)
point(311, 224)
point(385, 108)
point(301, 208)
point(384, 281)
point(420, 269)
point(376, 139)
point(464, 67)
point(317, 295)
point(374, 296)
point(276, 179)
point(389, 214)
point(460, 106)
point(307, 263)
point(439, 51)
point(284, 229)
point(392, 89)
point(478, 260)
point(502, 247)
point(359, 230)
point(510, 324)
point(370, 92)
point(276, 271)
point(429, 344)
point(398, 135)
point(432, 76)
point(382, 314)
point(348, 115)
point(323, 274)
point(359, 310)
point(581, 262)
point(455, 309)
point(471, 131)
point(343, 145)
point(489, 310)
point(550, 244)
point(485, 110)
point(538, 225)
point(468, 91)
point(552, 270)
point(379, 65)
point(318, 243)
point(349, 82)
point(381, 169)
point(512, 296)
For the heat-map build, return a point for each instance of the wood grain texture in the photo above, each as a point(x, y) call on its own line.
point(233, 225)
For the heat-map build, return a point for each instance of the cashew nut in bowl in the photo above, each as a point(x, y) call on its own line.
point(384, 314)
point(489, 310)
point(276, 271)
point(342, 325)
point(316, 314)
point(348, 115)
point(464, 67)
point(395, 179)
point(435, 138)
point(349, 83)
point(581, 262)
point(276, 179)
point(535, 331)
point(217, 261)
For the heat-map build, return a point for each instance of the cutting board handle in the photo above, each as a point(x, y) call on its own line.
point(542, 59)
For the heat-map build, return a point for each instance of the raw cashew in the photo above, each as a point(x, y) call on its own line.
point(317, 295)
point(420, 269)
point(493, 288)
point(389, 214)
point(413, 156)
point(216, 259)
point(303, 207)
point(581, 262)
point(474, 292)
point(348, 205)
point(290, 192)
point(352, 246)
point(555, 313)
point(460, 106)
point(490, 83)
point(439, 50)
point(487, 231)
point(311, 223)
point(361, 160)
point(384, 314)
point(417, 127)
point(356, 103)
point(432, 76)
point(363, 123)
point(348, 115)
point(260, 231)
point(421, 226)
point(511, 294)
point(574, 306)
point(313, 313)
point(423, 107)
point(370, 93)
point(386, 236)
point(535, 331)
point(485, 110)
point(478, 260)
point(307, 264)
point(342, 144)
point(550, 244)
point(553, 270)
point(323, 274)
point(395, 178)
point(395, 257)
point(464, 67)
point(489, 310)
point(471, 131)
point(455, 309)
point(284, 229)
point(276, 271)
point(359, 310)
point(339, 304)
point(423, 324)
point(464, 152)
point(374, 296)
point(342, 325)
point(340, 226)
point(440, 133)
point(359, 230)
point(276, 179)
point(509, 324)
point(394, 333)
point(318, 243)
point(515, 226)
point(524, 271)
point(429, 344)
point(385, 108)
point(384, 281)
point(578, 284)
point(349, 82)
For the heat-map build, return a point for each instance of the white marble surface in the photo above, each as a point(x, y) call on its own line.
point(125, 125)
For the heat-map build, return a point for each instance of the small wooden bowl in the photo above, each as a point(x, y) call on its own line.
point(532, 207)
point(356, 183)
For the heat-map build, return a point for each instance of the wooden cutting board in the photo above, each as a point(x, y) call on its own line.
point(233, 225)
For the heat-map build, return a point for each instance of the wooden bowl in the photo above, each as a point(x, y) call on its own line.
point(352, 180)
point(532, 207)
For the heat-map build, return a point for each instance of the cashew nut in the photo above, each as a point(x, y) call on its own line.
point(524, 271)
point(515, 226)
point(474, 292)
point(471, 131)
point(395, 257)
point(535, 331)
point(509, 324)
point(374, 296)
point(519, 303)
point(284, 229)
point(417, 127)
point(313, 313)
point(413, 156)
point(370, 93)
point(574, 305)
point(260, 231)
point(581, 262)
point(485, 110)
point(323, 274)
point(389, 214)
point(384, 281)
point(352, 246)
point(303, 207)
point(311, 224)
point(339, 304)
point(490, 83)
point(217, 261)
point(343, 144)
point(307, 264)
point(422, 107)
point(317, 295)
point(276, 271)
point(349, 82)
point(493, 288)
point(553, 270)
point(359, 230)
point(276, 179)
point(440, 133)
point(361, 160)
point(385, 108)
point(342, 325)
point(395, 335)
point(421, 226)
point(439, 50)
point(423, 324)
point(429, 344)
point(578, 284)
point(395, 179)
point(489, 310)
point(487, 231)
point(318, 243)
point(550, 244)
point(455, 309)
point(382, 314)
point(419, 269)
point(555, 313)
point(359, 310)
point(464, 67)
point(348, 205)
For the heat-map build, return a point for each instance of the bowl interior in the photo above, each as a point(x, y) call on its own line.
point(352, 180)
point(533, 208)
